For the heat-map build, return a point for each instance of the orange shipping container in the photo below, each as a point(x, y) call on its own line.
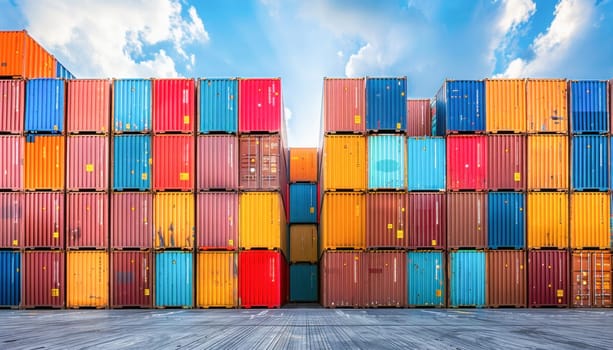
point(44, 155)
point(173, 219)
point(547, 162)
point(589, 219)
point(505, 103)
point(343, 163)
point(546, 106)
point(303, 165)
point(87, 278)
point(262, 222)
point(547, 220)
point(343, 221)
point(591, 279)
point(21, 56)
point(303, 244)
point(217, 279)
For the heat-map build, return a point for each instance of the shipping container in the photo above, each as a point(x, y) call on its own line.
point(131, 164)
point(387, 278)
point(44, 155)
point(303, 283)
point(547, 162)
point(217, 162)
point(132, 105)
point(426, 278)
point(262, 221)
point(88, 105)
point(546, 106)
point(589, 220)
point(427, 220)
point(217, 279)
point(386, 104)
point(303, 203)
point(262, 162)
point(131, 279)
point(426, 169)
point(12, 105)
point(174, 279)
point(217, 220)
point(10, 279)
point(173, 217)
point(44, 218)
point(45, 105)
point(547, 278)
point(467, 220)
point(131, 220)
point(547, 220)
point(173, 105)
point(419, 118)
point(505, 102)
point(343, 163)
point(387, 220)
point(588, 106)
point(506, 163)
point(218, 105)
point(87, 163)
point(590, 162)
point(44, 282)
point(12, 219)
point(11, 162)
point(173, 163)
point(87, 220)
point(303, 165)
point(467, 163)
point(21, 56)
point(260, 106)
point(343, 281)
point(262, 279)
point(591, 279)
point(459, 107)
point(506, 220)
point(467, 278)
point(62, 72)
point(87, 279)
point(303, 244)
point(344, 105)
point(387, 162)
point(506, 278)
point(343, 220)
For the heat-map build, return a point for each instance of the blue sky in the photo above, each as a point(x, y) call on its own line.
point(303, 41)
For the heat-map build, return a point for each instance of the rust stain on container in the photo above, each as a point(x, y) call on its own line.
point(88, 105)
point(505, 105)
point(506, 278)
point(344, 105)
point(12, 97)
point(546, 105)
point(217, 220)
point(547, 162)
point(262, 163)
point(547, 220)
point(217, 279)
point(131, 279)
point(262, 221)
point(217, 162)
point(427, 220)
point(506, 162)
point(44, 217)
point(11, 162)
point(87, 279)
point(131, 220)
point(591, 279)
point(87, 220)
point(387, 220)
point(44, 283)
point(44, 155)
point(419, 117)
point(303, 165)
point(343, 221)
point(87, 163)
point(173, 162)
point(467, 220)
point(343, 281)
point(12, 223)
point(343, 163)
point(590, 220)
point(548, 278)
point(303, 244)
point(387, 278)
point(174, 220)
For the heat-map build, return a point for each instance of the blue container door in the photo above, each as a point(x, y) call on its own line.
point(10, 278)
point(303, 283)
point(132, 105)
point(174, 279)
point(426, 164)
point(218, 105)
point(426, 278)
point(465, 105)
point(131, 162)
point(45, 105)
point(386, 104)
point(588, 107)
point(506, 220)
point(467, 278)
point(386, 162)
point(303, 203)
point(590, 157)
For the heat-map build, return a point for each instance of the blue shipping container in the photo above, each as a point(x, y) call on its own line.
point(426, 278)
point(386, 162)
point(303, 283)
point(506, 215)
point(131, 162)
point(218, 105)
point(588, 107)
point(132, 105)
point(426, 164)
point(460, 106)
point(10, 278)
point(590, 157)
point(174, 279)
point(61, 72)
point(45, 105)
point(303, 203)
point(467, 278)
point(386, 104)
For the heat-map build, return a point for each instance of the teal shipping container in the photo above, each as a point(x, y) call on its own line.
point(45, 99)
point(10, 278)
point(426, 170)
point(303, 283)
point(174, 279)
point(303, 203)
point(131, 162)
point(467, 278)
point(218, 105)
point(426, 278)
point(506, 226)
point(132, 105)
point(386, 162)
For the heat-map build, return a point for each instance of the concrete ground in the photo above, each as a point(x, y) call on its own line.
point(308, 328)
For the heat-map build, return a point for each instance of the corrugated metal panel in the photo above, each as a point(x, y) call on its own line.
point(343, 163)
point(387, 278)
point(303, 244)
point(467, 163)
point(174, 279)
point(21, 56)
point(217, 279)
point(546, 106)
point(262, 221)
point(62, 72)
point(589, 219)
point(88, 105)
point(44, 155)
point(87, 163)
point(218, 105)
point(262, 279)
point(506, 162)
point(44, 282)
point(303, 203)
point(10, 278)
point(217, 162)
point(132, 105)
point(344, 105)
point(87, 278)
point(217, 220)
point(506, 278)
point(547, 162)
point(11, 162)
point(387, 220)
point(262, 163)
point(87, 220)
point(260, 106)
point(44, 217)
point(419, 117)
point(427, 220)
point(590, 157)
point(426, 168)
point(12, 219)
point(467, 278)
point(505, 104)
point(45, 105)
point(303, 283)
point(467, 220)
point(588, 106)
point(343, 221)
point(174, 220)
point(131, 279)
point(386, 104)
point(548, 278)
point(131, 220)
point(426, 278)
point(343, 281)
point(303, 165)
point(174, 108)
point(132, 162)
point(459, 107)
point(547, 220)
point(12, 100)
point(591, 278)
point(387, 162)
point(173, 162)
point(506, 220)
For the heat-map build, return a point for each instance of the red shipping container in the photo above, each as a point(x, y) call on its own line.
point(262, 163)
point(263, 278)
point(217, 162)
point(87, 163)
point(88, 105)
point(217, 220)
point(386, 220)
point(11, 219)
point(506, 162)
point(173, 105)
point(12, 93)
point(419, 118)
point(131, 220)
point(427, 220)
point(131, 279)
point(343, 281)
point(387, 278)
point(344, 105)
point(466, 163)
point(548, 278)
point(44, 279)
point(466, 220)
point(591, 277)
point(44, 218)
point(173, 162)
point(87, 220)
point(259, 106)
point(11, 162)
point(506, 278)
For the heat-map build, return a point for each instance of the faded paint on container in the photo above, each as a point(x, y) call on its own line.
point(303, 244)
point(173, 162)
point(11, 162)
point(303, 203)
point(44, 155)
point(590, 161)
point(427, 220)
point(262, 163)
point(344, 105)
point(217, 220)
point(44, 279)
point(131, 220)
point(62, 72)
point(419, 118)
point(262, 221)
point(10, 278)
point(217, 162)
point(303, 165)
point(505, 104)
point(173, 105)
point(467, 163)
point(547, 278)
point(87, 163)
point(87, 279)
point(12, 219)
point(387, 162)
point(262, 279)
point(88, 105)
point(87, 220)
point(218, 105)
point(387, 278)
point(506, 163)
point(343, 281)
point(506, 219)
point(386, 104)
point(131, 279)
point(260, 106)
point(467, 278)
point(173, 217)
point(132, 105)
point(547, 162)
point(426, 168)
point(589, 220)
point(506, 278)
point(591, 279)
point(21, 56)
point(588, 106)
point(303, 283)
point(45, 105)
point(217, 279)
point(343, 163)
point(44, 218)
point(174, 279)
point(546, 106)
point(343, 221)
point(132, 162)
point(467, 220)
point(387, 220)
point(459, 107)
point(426, 278)
point(547, 220)
point(12, 105)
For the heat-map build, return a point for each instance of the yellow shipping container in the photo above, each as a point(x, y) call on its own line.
point(44, 162)
point(343, 163)
point(589, 218)
point(303, 243)
point(217, 279)
point(303, 165)
point(343, 220)
point(173, 217)
point(547, 162)
point(547, 220)
point(262, 221)
point(546, 105)
point(87, 279)
point(505, 105)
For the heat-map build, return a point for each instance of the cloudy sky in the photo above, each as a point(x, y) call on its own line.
point(303, 41)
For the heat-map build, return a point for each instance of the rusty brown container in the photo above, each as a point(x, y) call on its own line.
point(591, 279)
point(44, 218)
point(386, 220)
point(343, 281)
point(262, 163)
point(386, 274)
point(11, 162)
point(344, 105)
point(11, 219)
point(303, 165)
point(131, 279)
point(12, 94)
point(87, 163)
point(217, 220)
point(427, 220)
point(131, 220)
point(44, 155)
point(88, 105)
point(506, 278)
point(419, 117)
point(506, 162)
point(467, 220)
point(217, 162)
point(87, 220)
point(303, 244)
point(44, 279)
point(548, 278)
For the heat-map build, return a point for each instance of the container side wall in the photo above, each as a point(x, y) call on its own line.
point(218, 105)
point(217, 220)
point(426, 167)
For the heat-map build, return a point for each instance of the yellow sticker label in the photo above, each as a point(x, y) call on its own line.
point(184, 176)
point(390, 226)
point(400, 234)
point(186, 119)
point(311, 210)
point(128, 126)
point(273, 170)
point(517, 177)
point(398, 125)
point(402, 93)
point(434, 242)
point(15, 242)
point(295, 158)
point(357, 119)
point(56, 234)
point(147, 293)
point(356, 257)
point(89, 168)
point(150, 161)
point(231, 242)
point(438, 293)
point(55, 292)
point(144, 176)
point(55, 127)
point(560, 293)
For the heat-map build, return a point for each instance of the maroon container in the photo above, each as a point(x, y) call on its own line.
point(217, 220)
point(217, 162)
point(506, 278)
point(131, 279)
point(467, 220)
point(88, 105)
point(131, 220)
point(386, 220)
point(344, 105)
point(427, 220)
point(12, 94)
point(173, 162)
point(506, 162)
point(343, 281)
point(174, 105)
point(419, 118)
point(262, 163)
point(87, 220)
point(44, 218)
point(263, 279)
point(387, 278)
point(11, 219)
point(548, 278)
point(11, 162)
point(466, 162)
point(87, 163)
point(44, 282)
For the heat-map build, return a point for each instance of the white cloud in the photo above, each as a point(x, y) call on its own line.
point(514, 13)
point(287, 113)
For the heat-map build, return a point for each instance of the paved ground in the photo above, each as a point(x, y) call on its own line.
point(307, 328)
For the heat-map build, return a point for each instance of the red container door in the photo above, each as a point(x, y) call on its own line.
point(173, 162)
point(88, 163)
point(12, 222)
point(11, 162)
point(466, 163)
point(130, 279)
point(87, 220)
point(12, 94)
point(217, 220)
point(387, 278)
point(44, 283)
point(131, 220)
point(548, 280)
point(44, 217)
point(259, 105)
point(506, 162)
point(343, 281)
point(386, 217)
point(173, 105)
point(217, 162)
point(427, 220)
point(467, 220)
point(262, 279)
